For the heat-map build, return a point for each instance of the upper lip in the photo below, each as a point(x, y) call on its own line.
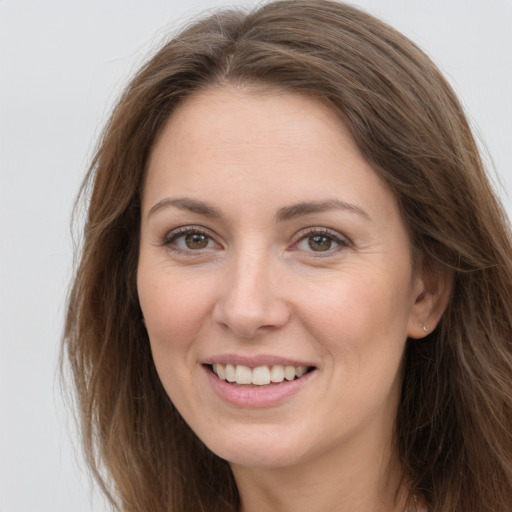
point(255, 361)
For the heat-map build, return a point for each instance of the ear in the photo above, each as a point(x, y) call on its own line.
point(432, 290)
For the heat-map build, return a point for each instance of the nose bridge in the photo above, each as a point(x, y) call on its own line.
point(251, 297)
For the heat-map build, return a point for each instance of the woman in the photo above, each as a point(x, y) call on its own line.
point(295, 285)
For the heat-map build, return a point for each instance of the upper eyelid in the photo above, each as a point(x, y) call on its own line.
point(191, 228)
point(321, 231)
point(175, 233)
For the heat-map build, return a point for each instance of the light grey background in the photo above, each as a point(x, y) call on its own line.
point(62, 65)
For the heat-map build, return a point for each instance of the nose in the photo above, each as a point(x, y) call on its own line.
point(251, 299)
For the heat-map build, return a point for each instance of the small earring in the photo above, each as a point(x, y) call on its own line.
point(424, 327)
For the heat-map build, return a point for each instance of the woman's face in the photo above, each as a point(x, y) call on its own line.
point(270, 248)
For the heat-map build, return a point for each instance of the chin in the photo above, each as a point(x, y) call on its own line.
point(258, 448)
point(261, 459)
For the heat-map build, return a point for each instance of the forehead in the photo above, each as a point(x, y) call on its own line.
point(267, 117)
point(259, 144)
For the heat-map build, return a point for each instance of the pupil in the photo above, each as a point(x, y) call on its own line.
point(196, 241)
point(320, 243)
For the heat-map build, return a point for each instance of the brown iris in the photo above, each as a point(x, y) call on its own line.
point(319, 243)
point(196, 241)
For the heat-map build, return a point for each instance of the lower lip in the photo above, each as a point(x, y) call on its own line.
point(257, 397)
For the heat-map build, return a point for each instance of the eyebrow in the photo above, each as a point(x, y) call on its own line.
point(283, 214)
point(185, 203)
point(306, 208)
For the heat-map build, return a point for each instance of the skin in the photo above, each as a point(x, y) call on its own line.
point(254, 285)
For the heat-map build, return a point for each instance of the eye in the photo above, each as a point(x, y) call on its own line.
point(195, 240)
point(321, 240)
point(189, 239)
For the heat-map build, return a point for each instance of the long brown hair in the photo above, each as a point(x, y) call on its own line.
point(454, 421)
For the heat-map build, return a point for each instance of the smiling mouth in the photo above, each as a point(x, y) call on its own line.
point(260, 376)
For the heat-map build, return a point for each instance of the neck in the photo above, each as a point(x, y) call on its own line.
point(361, 481)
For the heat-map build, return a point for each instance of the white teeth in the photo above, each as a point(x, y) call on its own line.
point(230, 373)
point(277, 373)
point(301, 370)
point(243, 375)
point(259, 376)
point(219, 370)
point(289, 372)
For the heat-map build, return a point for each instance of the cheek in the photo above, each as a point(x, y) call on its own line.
point(358, 319)
point(174, 308)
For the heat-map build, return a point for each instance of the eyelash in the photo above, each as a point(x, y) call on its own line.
point(331, 235)
point(182, 232)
